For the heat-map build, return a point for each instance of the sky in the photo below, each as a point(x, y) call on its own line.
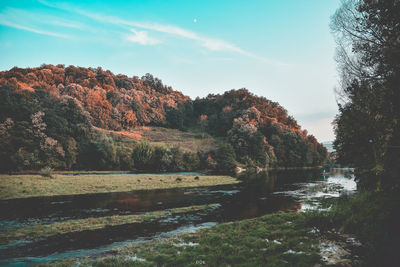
point(280, 49)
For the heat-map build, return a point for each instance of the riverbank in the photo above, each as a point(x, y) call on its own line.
point(45, 230)
point(103, 230)
point(22, 186)
point(280, 239)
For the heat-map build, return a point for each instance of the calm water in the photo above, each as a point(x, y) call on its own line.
point(267, 193)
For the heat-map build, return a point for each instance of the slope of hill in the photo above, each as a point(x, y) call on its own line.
point(113, 101)
point(69, 118)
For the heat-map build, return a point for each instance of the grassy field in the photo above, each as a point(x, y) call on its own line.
point(21, 186)
point(45, 230)
point(281, 239)
point(187, 141)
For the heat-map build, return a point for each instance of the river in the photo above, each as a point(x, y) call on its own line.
point(267, 193)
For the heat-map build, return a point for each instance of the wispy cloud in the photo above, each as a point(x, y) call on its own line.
point(30, 29)
point(141, 37)
point(209, 43)
point(66, 24)
point(27, 21)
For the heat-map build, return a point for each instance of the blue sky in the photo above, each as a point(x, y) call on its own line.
point(282, 50)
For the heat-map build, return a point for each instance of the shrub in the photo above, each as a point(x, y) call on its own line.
point(177, 163)
point(46, 172)
point(162, 158)
point(142, 154)
point(191, 161)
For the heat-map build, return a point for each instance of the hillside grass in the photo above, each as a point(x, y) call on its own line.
point(22, 186)
point(188, 141)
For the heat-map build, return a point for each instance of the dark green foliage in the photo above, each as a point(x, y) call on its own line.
point(191, 161)
point(174, 118)
point(373, 217)
point(177, 159)
point(181, 117)
point(258, 129)
point(142, 155)
point(367, 128)
point(100, 153)
point(39, 130)
point(161, 158)
point(225, 158)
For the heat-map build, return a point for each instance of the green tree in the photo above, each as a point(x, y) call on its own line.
point(225, 158)
point(367, 128)
point(161, 158)
point(142, 155)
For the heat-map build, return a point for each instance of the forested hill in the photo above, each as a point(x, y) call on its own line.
point(113, 101)
point(47, 114)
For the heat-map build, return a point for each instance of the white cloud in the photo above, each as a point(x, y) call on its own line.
point(142, 38)
point(66, 24)
point(28, 21)
point(30, 29)
point(209, 43)
point(206, 42)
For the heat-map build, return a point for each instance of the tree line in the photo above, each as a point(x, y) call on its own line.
point(47, 114)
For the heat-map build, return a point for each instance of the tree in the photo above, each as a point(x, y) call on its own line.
point(248, 141)
point(203, 123)
point(99, 153)
point(161, 158)
point(225, 158)
point(142, 155)
point(367, 128)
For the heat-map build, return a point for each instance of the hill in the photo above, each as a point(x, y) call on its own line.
point(85, 118)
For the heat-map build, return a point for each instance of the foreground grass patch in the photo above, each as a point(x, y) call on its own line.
point(373, 217)
point(45, 230)
point(280, 239)
point(20, 186)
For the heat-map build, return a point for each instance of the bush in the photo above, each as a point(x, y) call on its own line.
point(191, 161)
point(161, 158)
point(177, 163)
point(46, 172)
point(100, 153)
point(142, 155)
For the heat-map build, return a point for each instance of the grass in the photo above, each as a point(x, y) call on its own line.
point(187, 141)
point(45, 230)
point(21, 186)
point(281, 239)
point(372, 216)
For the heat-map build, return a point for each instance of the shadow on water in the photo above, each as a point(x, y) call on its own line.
point(236, 202)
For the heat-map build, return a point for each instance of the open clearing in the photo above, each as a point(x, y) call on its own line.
point(187, 141)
